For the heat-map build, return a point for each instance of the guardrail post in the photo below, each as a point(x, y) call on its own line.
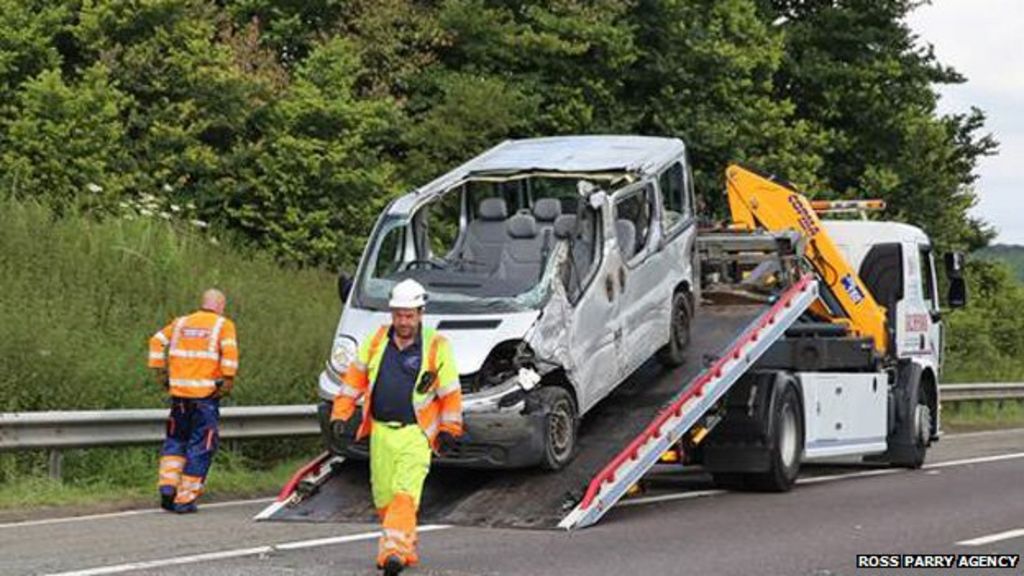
point(56, 465)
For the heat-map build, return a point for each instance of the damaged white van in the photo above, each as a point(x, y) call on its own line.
point(554, 266)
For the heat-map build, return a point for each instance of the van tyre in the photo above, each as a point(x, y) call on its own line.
point(786, 445)
point(561, 425)
point(674, 353)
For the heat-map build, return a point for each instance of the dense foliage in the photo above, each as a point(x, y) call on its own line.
point(289, 124)
point(293, 122)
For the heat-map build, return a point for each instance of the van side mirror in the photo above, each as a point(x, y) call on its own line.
point(344, 286)
point(957, 295)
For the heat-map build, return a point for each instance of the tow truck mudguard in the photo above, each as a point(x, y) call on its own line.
point(742, 441)
point(501, 440)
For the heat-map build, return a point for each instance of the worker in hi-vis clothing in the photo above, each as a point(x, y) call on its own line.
point(413, 404)
point(196, 358)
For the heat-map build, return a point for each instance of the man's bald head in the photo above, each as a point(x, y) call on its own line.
point(214, 301)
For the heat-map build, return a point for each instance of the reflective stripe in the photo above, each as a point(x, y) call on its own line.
point(171, 475)
point(448, 389)
point(184, 383)
point(178, 353)
point(228, 363)
point(348, 391)
point(215, 335)
point(435, 342)
point(176, 333)
point(156, 355)
point(431, 430)
point(423, 402)
point(451, 417)
point(160, 336)
point(228, 342)
point(172, 464)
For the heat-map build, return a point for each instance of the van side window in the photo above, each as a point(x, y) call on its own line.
point(674, 205)
point(633, 222)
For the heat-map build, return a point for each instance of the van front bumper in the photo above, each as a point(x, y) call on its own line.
point(491, 440)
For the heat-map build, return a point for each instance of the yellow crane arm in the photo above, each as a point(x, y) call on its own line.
point(757, 201)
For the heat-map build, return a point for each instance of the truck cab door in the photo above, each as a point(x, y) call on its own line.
point(930, 295)
point(919, 323)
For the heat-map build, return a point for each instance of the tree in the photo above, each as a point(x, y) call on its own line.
point(855, 70)
point(67, 142)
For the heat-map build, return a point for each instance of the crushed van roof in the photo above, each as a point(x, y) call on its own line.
point(577, 154)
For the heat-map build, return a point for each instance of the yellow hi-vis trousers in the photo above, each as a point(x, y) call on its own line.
point(399, 463)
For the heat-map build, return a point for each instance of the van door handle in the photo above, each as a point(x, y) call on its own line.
point(609, 287)
point(622, 278)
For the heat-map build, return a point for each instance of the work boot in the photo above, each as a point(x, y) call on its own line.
point(186, 508)
point(167, 499)
point(393, 566)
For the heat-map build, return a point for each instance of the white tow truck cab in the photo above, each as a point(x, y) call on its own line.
point(554, 266)
point(821, 392)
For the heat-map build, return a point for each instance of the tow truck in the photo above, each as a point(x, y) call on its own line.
point(811, 339)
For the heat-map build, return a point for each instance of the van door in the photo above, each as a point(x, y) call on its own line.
point(640, 278)
point(595, 332)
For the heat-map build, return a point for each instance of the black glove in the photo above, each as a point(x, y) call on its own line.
point(339, 435)
point(446, 444)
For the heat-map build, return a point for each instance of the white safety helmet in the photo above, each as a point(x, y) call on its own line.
point(408, 294)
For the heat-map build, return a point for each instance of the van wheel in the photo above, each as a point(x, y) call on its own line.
point(786, 446)
point(560, 427)
point(674, 353)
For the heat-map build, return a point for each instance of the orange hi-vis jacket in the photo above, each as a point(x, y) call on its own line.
point(438, 408)
point(197, 350)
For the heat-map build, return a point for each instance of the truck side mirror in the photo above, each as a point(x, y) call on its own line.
point(957, 295)
point(344, 286)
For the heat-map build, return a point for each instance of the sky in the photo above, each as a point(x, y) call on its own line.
point(984, 41)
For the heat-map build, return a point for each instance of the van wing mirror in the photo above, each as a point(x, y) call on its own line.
point(344, 286)
point(957, 295)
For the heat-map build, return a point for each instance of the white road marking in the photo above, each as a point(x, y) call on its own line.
point(819, 479)
point(845, 475)
point(978, 460)
point(236, 553)
point(998, 537)
point(127, 513)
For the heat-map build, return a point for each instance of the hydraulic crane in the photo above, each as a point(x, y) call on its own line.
point(760, 201)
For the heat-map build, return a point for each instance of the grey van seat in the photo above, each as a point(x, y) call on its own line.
point(582, 247)
point(625, 231)
point(485, 236)
point(547, 210)
point(521, 255)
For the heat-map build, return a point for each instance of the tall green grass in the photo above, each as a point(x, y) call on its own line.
point(79, 299)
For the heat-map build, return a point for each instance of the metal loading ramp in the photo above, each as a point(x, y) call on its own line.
point(616, 439)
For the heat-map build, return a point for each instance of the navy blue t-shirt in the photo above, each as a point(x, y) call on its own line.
point(396, 378)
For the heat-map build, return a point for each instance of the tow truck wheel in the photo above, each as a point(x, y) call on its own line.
point(560, 427)
point(673, 353)
point(787, 445)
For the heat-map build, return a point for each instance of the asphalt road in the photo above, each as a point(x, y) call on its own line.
point(969, 499)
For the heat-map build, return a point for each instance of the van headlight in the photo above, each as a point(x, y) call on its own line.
point(343, 352)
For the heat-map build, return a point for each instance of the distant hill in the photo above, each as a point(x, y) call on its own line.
point(1012, 254)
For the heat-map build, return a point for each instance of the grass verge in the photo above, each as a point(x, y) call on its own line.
point(983, 415)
